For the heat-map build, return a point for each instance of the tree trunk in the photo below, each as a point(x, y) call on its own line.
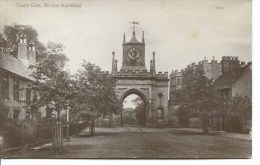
point(92, 128)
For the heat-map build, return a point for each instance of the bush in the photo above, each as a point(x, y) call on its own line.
point(77, 127)
point(12, 133)
point(26, 132)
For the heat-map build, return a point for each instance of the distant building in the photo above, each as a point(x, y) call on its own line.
point(235, 82)
point(229, 67)
point(186, 77)
point(230, 77)
point(14, 76)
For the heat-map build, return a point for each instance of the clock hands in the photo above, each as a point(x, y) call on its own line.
point(133, 54)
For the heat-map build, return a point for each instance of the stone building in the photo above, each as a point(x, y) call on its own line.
point(179, 80)
point(133, 78)
point(236, 78)
point(230, 77)
point(14, 76)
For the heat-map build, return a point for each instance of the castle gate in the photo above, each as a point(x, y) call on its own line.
point(133, 78)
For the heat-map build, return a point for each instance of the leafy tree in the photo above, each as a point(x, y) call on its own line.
point(241, 107)
point(139, 110)
point(9, 38)
point(52, 82)
point(93, 94)
point(199, 99)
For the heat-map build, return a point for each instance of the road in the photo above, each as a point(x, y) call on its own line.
point(136, 142)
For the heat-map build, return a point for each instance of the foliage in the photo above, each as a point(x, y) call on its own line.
point(9, 38)
point(19, 133)
point(139, 110)
point(198, 99)
point(52, 82)
point(93, 94)
point(184, 115)
point(241, 107)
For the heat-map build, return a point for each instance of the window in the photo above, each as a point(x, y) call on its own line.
point(28, 95)
point(5, 86)
point(16, 90)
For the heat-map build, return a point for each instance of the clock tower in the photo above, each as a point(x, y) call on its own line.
point(133, 54)
point(134, 78)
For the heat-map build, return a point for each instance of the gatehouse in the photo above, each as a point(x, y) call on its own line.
point(134, 78)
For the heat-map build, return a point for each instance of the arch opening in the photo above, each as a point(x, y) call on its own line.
point(134, 111)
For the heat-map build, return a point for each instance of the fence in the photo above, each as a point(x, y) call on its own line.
point(57, 143)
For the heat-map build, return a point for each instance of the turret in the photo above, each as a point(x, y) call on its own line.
point(152, 64)
point(143, 38)
point(124, 39)
point(114, 63)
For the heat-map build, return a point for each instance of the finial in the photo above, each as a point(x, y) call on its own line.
point(113, 53)
point(134, 23)
point(124, 38)
point(143, 38)
point(153, 53)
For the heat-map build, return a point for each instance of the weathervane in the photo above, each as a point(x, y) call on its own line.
point(134, 23)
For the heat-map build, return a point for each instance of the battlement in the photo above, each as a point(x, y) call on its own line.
point(200, 64)
point(230, 58)
point(160, 74)
point(139, 73)
point(175, 74)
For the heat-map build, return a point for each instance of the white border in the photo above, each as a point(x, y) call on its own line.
point(255, 133)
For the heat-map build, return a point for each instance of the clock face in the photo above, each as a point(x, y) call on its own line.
point(133, 54)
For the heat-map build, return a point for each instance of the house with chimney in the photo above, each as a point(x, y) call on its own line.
point(14, 77)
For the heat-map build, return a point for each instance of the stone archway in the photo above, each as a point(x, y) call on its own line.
point(133, 77)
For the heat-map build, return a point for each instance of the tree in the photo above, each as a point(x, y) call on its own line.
point(199, 99)
point(51, 82)
point(93, 94)
point(241, 107)
point(140, 112)
point(9, 38)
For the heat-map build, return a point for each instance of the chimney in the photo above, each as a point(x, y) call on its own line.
point(31, 54)
point(22, 50)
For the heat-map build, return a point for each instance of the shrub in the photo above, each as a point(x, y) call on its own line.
point(25, 132)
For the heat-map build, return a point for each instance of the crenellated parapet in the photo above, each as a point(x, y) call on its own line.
point(231, 62)
point(140, 73)
point(160, 74)
point(175, 73)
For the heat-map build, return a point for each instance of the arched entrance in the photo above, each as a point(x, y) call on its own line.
point(139, 113)
point(134, 78)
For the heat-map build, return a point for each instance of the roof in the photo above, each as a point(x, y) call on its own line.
point(226, 80)
point(13, 65)
point(133, 39)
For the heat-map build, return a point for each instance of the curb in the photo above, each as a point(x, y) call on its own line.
point(2, 153)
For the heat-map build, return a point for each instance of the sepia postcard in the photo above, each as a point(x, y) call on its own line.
point(132, 79)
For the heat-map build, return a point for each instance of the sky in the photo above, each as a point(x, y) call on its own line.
point(179, 31)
